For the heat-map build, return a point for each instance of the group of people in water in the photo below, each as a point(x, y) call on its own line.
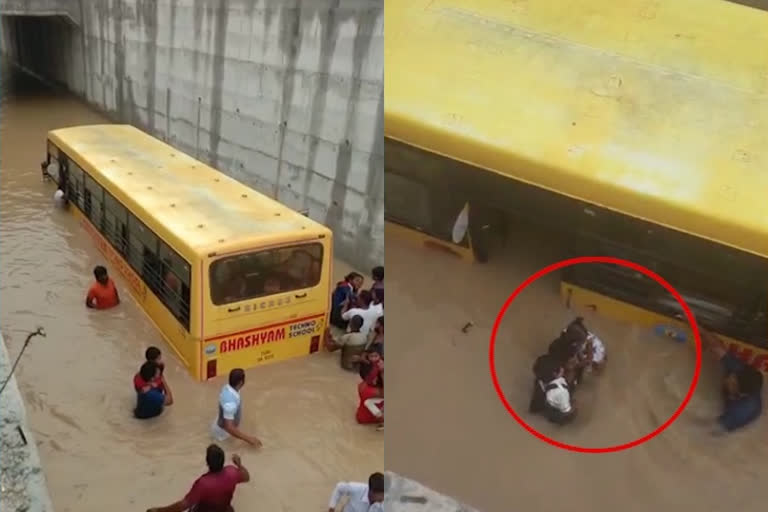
point(359, 316)
point(576, 352)
point(357, 330)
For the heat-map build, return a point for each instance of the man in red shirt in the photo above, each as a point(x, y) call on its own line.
point(213, 491)
point(103, 293)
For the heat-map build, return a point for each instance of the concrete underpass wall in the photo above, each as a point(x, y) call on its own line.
point(283, 95)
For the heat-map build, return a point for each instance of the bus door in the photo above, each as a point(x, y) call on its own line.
point(267, 304)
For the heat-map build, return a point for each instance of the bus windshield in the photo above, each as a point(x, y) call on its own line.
point(268, 272)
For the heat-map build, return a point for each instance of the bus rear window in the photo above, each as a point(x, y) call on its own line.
point(261, 273)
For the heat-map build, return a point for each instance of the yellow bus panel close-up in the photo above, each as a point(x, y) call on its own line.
point(230, 277)
point(633, 129)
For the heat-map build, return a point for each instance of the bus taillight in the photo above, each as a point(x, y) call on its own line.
point(314, 345)
point(211, 369)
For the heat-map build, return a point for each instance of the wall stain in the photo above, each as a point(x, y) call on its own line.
point(147, 17)
point(290, 42)
point(329, 33)
point(217, 89)
point(361, 48)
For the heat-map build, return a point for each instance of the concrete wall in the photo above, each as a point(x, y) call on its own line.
point(283, 95)
point(22, 482)
point(406, 495)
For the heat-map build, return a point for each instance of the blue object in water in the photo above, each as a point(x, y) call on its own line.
point(671, 332)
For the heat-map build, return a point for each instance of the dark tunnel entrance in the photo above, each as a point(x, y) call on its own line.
point(46, 46)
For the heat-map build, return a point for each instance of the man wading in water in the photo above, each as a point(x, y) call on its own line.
point(230, 411)
point(213, 491)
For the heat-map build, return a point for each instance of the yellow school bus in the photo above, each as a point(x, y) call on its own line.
point(637, 129)
point(230, 277)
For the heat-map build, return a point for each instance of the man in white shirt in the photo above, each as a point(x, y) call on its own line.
point(361, 497)
point(230, 411)
point(372, 307)
point(561, 410)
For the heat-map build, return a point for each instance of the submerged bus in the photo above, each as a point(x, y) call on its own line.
point(231, 278)
point(636, 129)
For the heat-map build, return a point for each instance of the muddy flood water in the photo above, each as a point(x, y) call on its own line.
point(77, 383)
point(464, 442)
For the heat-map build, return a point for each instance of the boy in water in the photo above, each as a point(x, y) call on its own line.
point(152, 354)
point(103, 293)
point(151, 398)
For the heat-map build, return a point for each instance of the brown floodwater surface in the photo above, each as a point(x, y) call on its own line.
point(447, 428)
point(77, 382)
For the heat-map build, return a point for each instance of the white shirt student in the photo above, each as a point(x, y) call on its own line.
point(360, 497)
point(369, 315)
point(558, 395)
point(598, 348)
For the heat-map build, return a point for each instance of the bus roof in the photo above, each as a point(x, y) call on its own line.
point(657, 109)
point(201, 207)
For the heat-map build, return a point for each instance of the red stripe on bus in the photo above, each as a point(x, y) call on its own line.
point(295, 320)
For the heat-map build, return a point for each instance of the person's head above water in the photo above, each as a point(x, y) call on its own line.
point(748, 381)
point(214, 458)
point(100, 273)
point(547, 368)
point(356, 323)
point(149, 371)
point(237, 378)
point(355, 279)
point(377, 273)
point(153, 354)
point(376, 488)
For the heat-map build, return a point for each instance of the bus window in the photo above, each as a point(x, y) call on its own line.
point(258, 274)
point(76, 185)
point(115, 223)
point(407, 202)
point(94, 202)
point(174, 288)
point(142, 253)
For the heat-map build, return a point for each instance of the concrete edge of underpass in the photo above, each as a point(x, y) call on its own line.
point(22, 481)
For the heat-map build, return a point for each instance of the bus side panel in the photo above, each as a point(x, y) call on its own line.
point(180, 341)
point(267, 329)
point(586, 299)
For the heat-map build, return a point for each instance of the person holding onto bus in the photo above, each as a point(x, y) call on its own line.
point(213, 491)
point(352, 344)
point(370, 307)
point(103, 293)
point(153, 395)
point(230, 411)
point(376, 338)
point(360, 497)
point(377, 274)
point(342, 295)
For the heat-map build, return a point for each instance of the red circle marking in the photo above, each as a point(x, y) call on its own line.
point(595, 259)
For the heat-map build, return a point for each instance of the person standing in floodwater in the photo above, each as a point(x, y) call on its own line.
point(103, 293)
point(742, 387)
point(360, 497)
point(213, 491)
point(230, 411)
